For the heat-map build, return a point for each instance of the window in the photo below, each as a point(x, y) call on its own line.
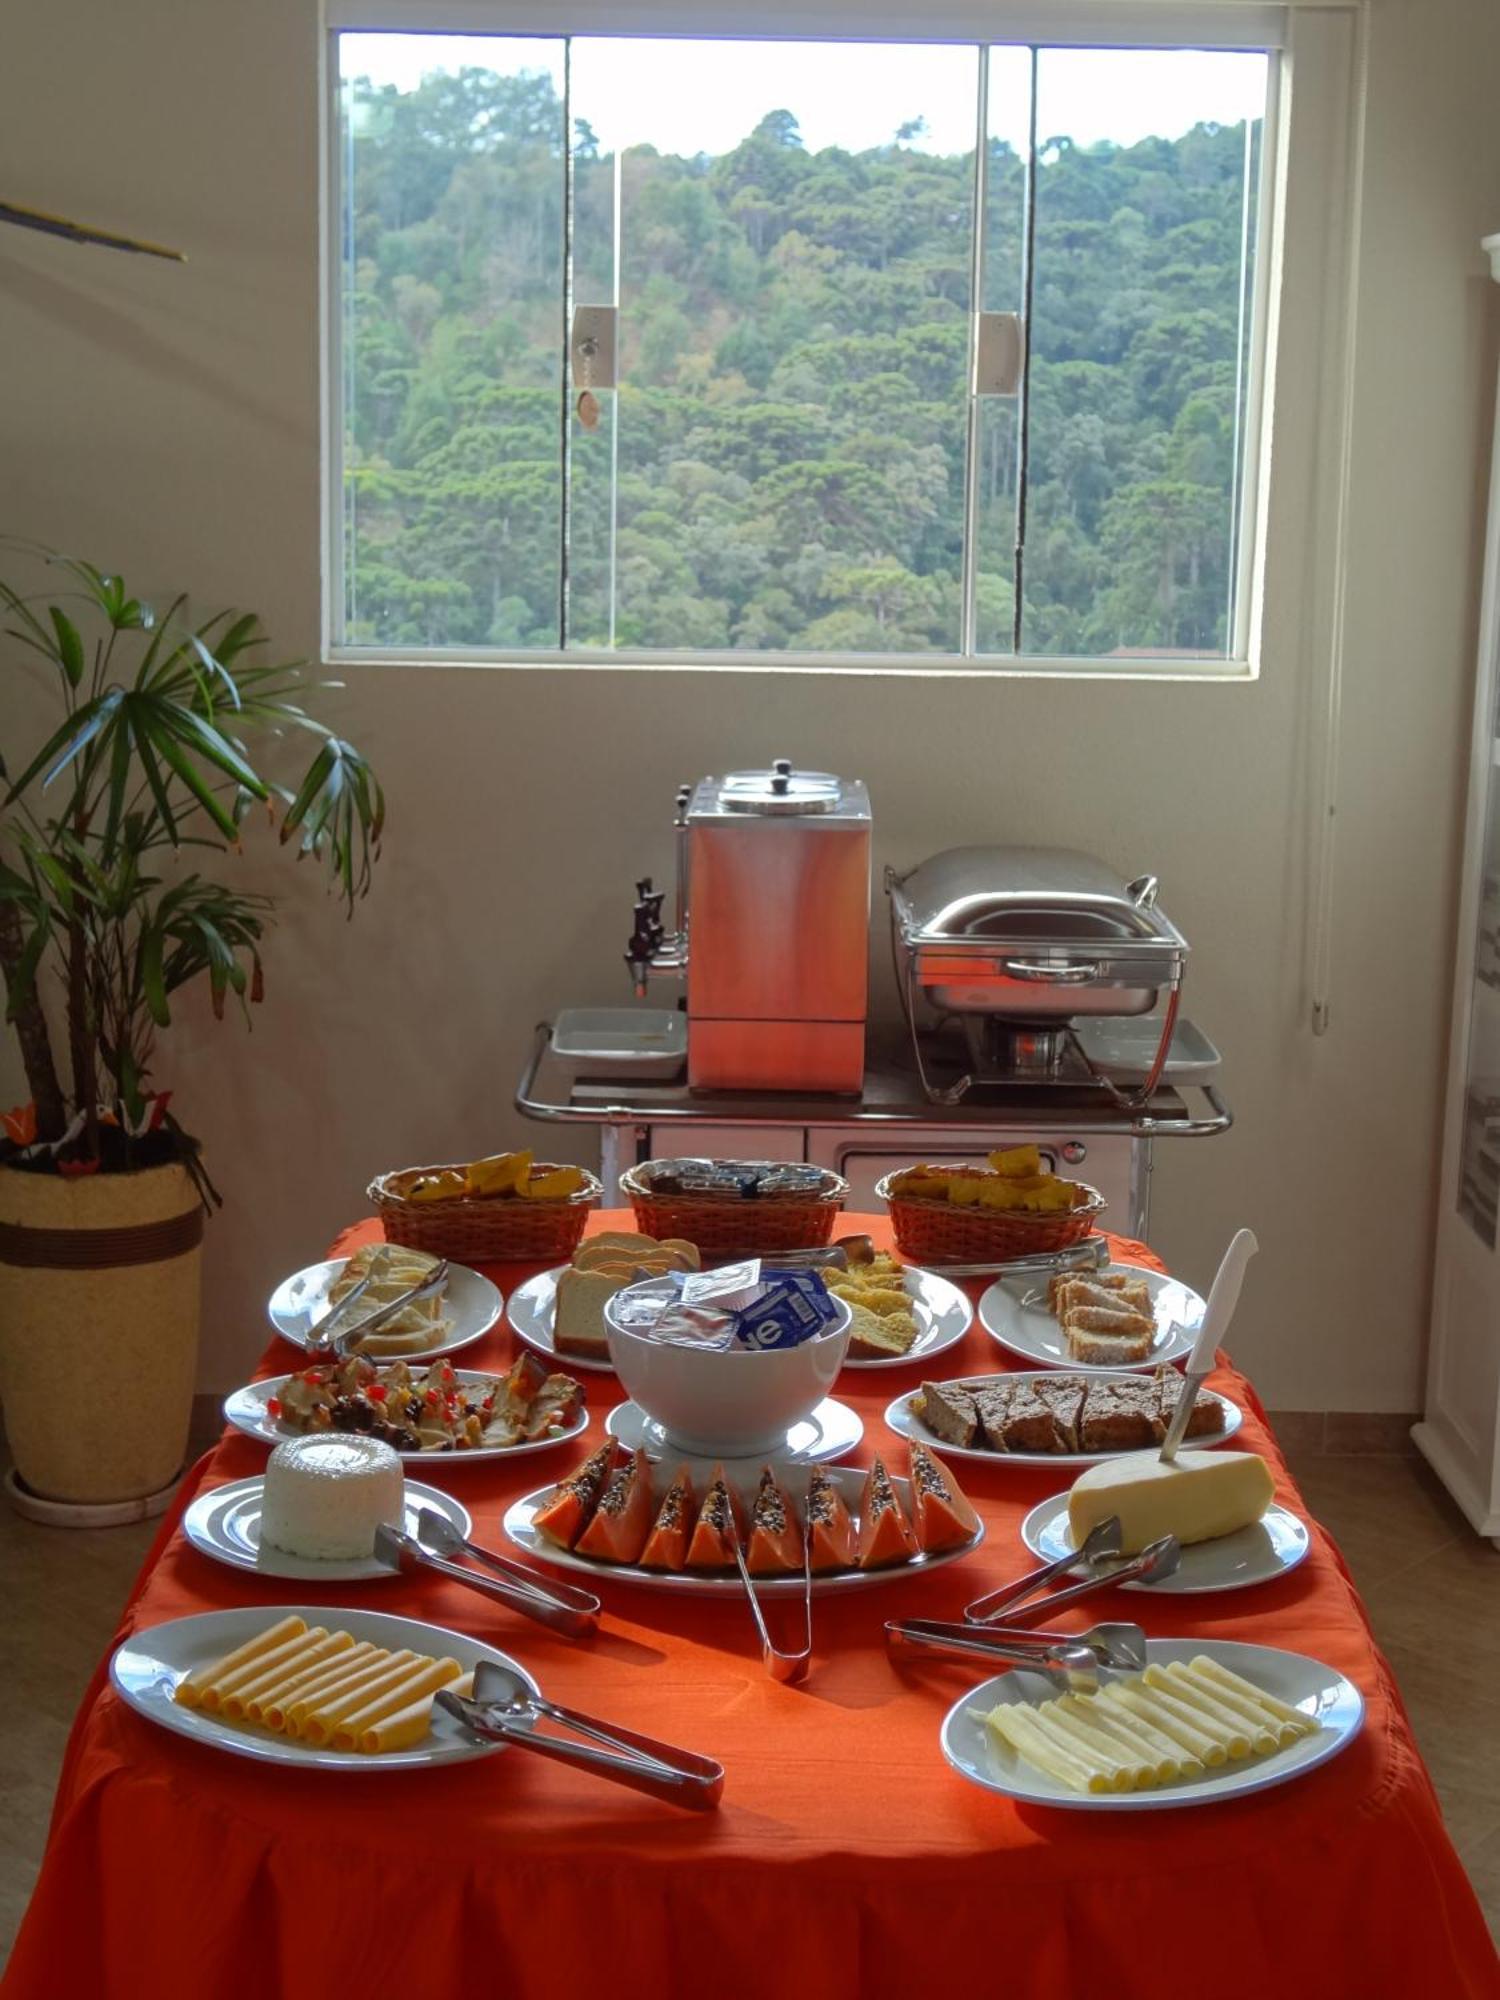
point(666, 347)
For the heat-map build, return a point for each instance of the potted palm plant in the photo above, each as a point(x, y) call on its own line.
point(174, 738)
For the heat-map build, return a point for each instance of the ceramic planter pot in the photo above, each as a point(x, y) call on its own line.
point(99, 1298)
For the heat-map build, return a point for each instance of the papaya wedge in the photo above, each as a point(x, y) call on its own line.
point(565, 1513)
point(775, 1545)
point(885, 1536)
point(830, 1531)
point(621, 1522)
point(667, 1544)
point(719, 1525)
point(942, 1515)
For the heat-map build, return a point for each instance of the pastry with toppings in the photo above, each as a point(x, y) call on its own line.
point(428, 1409)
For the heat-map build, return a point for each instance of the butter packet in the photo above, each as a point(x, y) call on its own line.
point(792, 1306)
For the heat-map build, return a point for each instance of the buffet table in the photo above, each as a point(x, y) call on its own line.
point(846, 1858)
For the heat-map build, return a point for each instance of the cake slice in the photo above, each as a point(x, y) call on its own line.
point(1016, 1418)
point(1206, 1415)
point(873, 1338)
point(1122, 1416)
point(949, 1412)
point(1110, 1346)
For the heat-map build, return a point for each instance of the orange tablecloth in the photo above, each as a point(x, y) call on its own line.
point(846, 1858)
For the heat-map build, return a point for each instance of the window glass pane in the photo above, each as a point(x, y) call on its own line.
point(452, 268)
point(1144, 248)
point(996, 428)
point(794, 267)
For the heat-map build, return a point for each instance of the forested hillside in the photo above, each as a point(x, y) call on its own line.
point(792, 416)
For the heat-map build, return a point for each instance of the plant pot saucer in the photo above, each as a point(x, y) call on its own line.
point(87, 1513)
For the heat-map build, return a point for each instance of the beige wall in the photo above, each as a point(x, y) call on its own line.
point(166, 422)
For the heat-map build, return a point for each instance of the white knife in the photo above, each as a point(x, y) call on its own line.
point(1223, 1297)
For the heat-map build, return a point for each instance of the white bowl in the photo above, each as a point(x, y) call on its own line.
point(727, 1402)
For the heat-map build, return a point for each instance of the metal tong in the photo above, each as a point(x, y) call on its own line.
point(1102, 1540)
point(1077, 1658)
point(1020, 1602)
point(1089, 1255)
point(559, 1606)
point(789, 1667)
point(502, 1709)
point(338, 1346)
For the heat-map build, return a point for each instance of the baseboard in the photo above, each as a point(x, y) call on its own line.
point(1343, 1433)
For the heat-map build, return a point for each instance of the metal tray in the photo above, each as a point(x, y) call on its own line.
point(620, 1041)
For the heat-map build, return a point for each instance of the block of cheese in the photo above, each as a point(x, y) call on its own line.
point(325, 1495)
point(1200, 1495)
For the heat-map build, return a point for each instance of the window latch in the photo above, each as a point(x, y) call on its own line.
point(999, 353)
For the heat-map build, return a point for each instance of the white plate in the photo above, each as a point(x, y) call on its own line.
point(471, 1303)
point(744, 1478)
point(148, 1666)
point(246, 1410)
point(1268, 1548)
point(1032, 1333)
point(1317, 1690)
point(832, 1430)
point(532, 1311)
point(905, 1422)
point(943, 1315)
point(225, 1524)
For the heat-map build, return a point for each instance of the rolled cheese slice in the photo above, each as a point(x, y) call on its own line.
point(217, 1692)
point(189, 1692)
point(320, 1722)
point(253, 1700)
point(312, 1685)
point(1201, 1495)
point(424, 1677)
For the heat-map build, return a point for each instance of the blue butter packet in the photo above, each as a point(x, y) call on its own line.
point(793, 1306)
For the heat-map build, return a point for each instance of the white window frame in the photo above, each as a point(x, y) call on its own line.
point(1307, 193)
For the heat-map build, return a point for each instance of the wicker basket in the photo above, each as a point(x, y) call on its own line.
point(724, 1222)
point(930, 1231)
point(484, 1229)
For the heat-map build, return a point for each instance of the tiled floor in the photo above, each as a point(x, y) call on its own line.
point(1420, 1567)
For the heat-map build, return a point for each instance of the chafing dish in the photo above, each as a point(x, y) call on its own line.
point(1020, 942)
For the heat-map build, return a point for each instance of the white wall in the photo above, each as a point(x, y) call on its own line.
point(165, 421)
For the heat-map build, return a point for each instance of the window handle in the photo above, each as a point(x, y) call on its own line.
point(591, 347)
point(999, 353)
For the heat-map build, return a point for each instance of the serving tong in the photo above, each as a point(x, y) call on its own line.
point(562, 1607)
point(1028, 1597)
point(502, 1709)
point(1077, 1657)
point(781, 1664)
point(1092, 1254)
point(323, 1346)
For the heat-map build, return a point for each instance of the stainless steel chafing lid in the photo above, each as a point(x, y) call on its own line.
point(1036, 895)
point(780, 792)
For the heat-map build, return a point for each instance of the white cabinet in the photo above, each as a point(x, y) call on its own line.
point(1460, 1430)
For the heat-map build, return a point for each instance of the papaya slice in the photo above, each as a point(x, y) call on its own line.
point(622, 1520)
point(564, 1514)
point(941, 1513)
point(830, 1531)
point(884, 1534)
point(719, 1525)
point(667, 1544)
point(775, 1538)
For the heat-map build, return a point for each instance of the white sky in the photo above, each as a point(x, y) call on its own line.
point(703, 97)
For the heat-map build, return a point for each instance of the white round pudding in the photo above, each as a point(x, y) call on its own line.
point(324, 1497)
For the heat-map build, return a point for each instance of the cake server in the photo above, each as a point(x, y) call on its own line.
point(1223, 1297)
point(502, 1709)
point(399, 1552)
point(1103, 1539)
